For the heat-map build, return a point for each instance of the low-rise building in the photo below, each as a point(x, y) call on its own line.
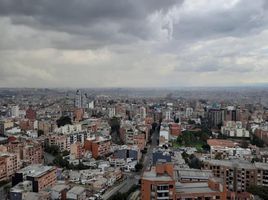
point(77, 193)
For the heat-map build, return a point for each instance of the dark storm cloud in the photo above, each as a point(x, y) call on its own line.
point(112, 21)
point(132, 42)
point(244, 18)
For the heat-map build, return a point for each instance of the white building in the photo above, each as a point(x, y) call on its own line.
point(168, 115)
point(143, 112)
point(68, 128)
point(78, 99)
point(91, 105)
point(111, 112)
point(15, 112)
point(234, 129)
point(189, 112)
point(163, 136)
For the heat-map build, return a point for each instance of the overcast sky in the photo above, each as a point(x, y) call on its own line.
point(133, 43)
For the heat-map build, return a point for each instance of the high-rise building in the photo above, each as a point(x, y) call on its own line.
point(215, 117)
point(81, 100)
point(15, 111)
point(78, 99)
point(143, 112)
point(189, 112)
point(84, 101)
point(231, 114)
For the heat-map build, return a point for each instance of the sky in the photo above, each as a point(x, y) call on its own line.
point(133, 43)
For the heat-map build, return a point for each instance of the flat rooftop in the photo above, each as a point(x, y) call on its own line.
point(193, 173)
point(35, 170)
point(191, 188)
point(152, 175)
point(221, 143)
point(232, 163)
point(261, 165)
point(77, 190)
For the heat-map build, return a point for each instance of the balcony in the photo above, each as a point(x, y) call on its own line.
point(163, 191)
point(163, 198)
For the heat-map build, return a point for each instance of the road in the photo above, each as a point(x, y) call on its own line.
point(133, 178)
point(114, 190)
point(148, 157)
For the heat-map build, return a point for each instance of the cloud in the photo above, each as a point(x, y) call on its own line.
point(95, 43)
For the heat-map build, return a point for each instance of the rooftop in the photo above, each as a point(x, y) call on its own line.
point(152, 175)
point(193, 173)
point(59, 187)
point(189, 188)
point(35, 170)
point(232, 163)
point(76, 190)
point(222, 143)
point(261, 165)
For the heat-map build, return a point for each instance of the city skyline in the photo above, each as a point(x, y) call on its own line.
point(151, 44)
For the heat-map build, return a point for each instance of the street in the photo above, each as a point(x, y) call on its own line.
point(133, 178)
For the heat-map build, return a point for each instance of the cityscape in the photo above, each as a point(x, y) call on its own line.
point(133, 100)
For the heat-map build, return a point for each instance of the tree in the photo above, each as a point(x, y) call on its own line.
point(63, 120)
point(138, 167)
point(195, 163)
point(256, 160)
point(257, 141)
point(191, 121)
point(206, 147)
point(244, 144)
point(52, 149)
point(65, 153)
point(115, 130)
point(59, 161)
point(40, 132)
point(218, 156)
point(261, 191)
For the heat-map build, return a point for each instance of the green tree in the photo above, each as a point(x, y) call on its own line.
point(63, 120)
point(218, 156)
point(257, 141)
point(52, 149)
point(260, 191)
point(138, 167)
point(40, 132)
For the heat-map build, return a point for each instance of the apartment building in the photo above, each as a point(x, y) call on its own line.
point(9, 163)
point(3, 169)
point(234, 129)
point(238, 175)
point(29, 151)
point(32, 154)
point(76, 150)
point(99, 146)
point(161, 183)
point(41, 176)
point(158, 183)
